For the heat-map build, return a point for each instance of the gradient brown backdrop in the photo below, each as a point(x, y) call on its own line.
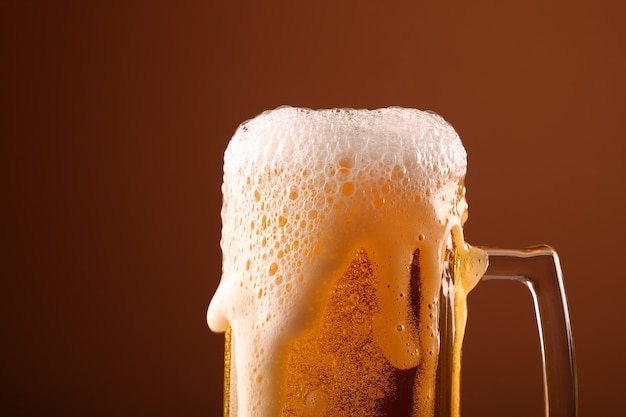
point(115, 116)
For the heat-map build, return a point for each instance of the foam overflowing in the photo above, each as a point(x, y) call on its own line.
point(305, 190)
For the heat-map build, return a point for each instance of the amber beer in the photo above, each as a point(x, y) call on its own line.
point(344, 266)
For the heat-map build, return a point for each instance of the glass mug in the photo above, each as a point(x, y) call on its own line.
point(345, 270)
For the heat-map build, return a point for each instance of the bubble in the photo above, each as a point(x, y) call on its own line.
point(315, 402)
point(345, 165)
point(347, 188)
point(398, 172)
point(330, 187)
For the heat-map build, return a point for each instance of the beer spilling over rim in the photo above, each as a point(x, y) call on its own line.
point(311, 196)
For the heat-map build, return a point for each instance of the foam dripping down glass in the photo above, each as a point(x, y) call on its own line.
point(345, 269)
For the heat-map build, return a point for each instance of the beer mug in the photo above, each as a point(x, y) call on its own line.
point(346, 272)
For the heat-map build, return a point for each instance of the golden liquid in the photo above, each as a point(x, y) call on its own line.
point(337, 369)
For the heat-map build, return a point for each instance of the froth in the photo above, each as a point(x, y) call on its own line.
point(303, 191)
point(408, 138)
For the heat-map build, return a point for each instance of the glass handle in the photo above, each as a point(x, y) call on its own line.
point(539, 269)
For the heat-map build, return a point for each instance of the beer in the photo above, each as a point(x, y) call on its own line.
point(343, 257)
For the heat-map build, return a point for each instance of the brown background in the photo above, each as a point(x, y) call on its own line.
point(115, 116)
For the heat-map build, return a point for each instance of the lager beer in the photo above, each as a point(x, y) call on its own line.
point(342, 240)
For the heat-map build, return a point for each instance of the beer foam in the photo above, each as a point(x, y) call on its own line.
point(303, 191)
